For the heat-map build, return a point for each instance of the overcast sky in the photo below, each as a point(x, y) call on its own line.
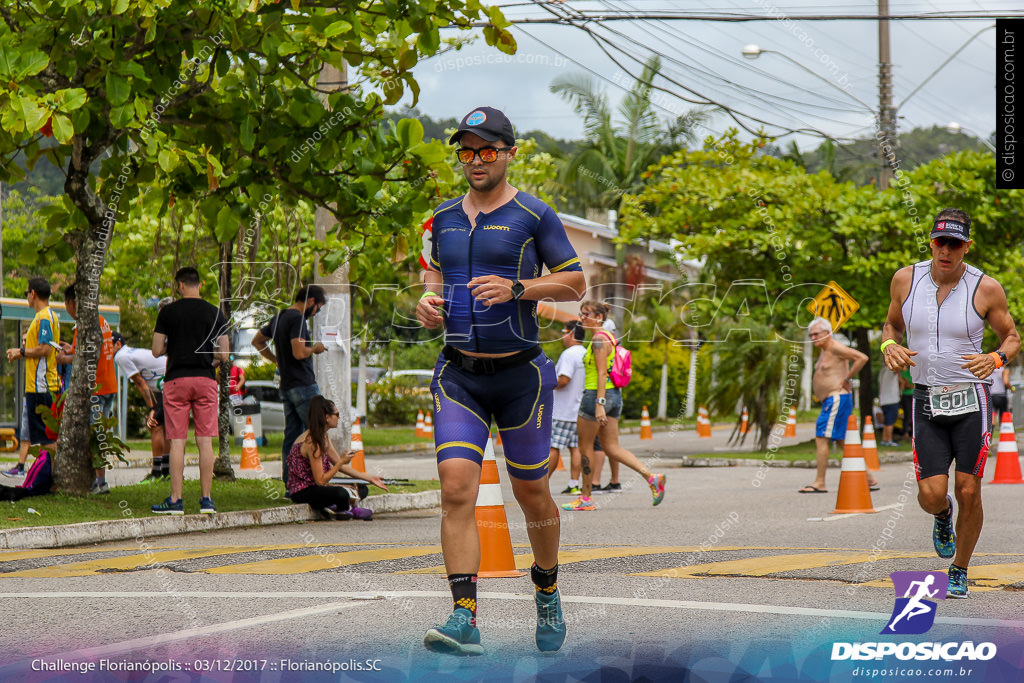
point(706, 58)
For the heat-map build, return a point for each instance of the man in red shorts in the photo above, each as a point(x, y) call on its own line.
point(194, 335)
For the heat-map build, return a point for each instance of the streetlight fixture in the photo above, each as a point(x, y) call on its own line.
point(753, 51)
point(955, 128)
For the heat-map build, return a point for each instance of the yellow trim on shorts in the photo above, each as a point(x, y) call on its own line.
point(543, 463)
point(466, 444)
point(533, 409)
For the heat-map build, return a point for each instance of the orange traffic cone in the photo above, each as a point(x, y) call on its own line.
point(250, 454)
point(745, 421)
point(359, 458)
point(419, 424)
point(645, 425)
point(559, 467)
point(428, 426)
point(703, 423)
point(869, 448)
point(1007, 459)
point(791, 423)
point(497, 438)
point(854, 492)
point(496, 558)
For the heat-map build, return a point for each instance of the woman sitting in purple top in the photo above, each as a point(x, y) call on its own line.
point(310, 469)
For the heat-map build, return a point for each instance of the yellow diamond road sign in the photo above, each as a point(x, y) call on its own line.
point(833, 304)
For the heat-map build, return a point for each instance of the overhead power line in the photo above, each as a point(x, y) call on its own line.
point(605, 16)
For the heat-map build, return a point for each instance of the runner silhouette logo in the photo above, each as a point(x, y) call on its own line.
point(914, 611)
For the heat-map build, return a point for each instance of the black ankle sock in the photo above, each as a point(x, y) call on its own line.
point(156, 466)
point(165, 464)
point(463, 587)
point(948, 513)
point(545, 580)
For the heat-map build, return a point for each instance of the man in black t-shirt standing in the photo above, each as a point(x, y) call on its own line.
point(194, 335)
point(294, 360)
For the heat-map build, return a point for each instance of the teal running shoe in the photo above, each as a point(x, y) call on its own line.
point(957, 582)
point(943, 536)
point(550, 625)
point(457, 637)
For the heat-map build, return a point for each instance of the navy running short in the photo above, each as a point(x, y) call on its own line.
point(519, 399)
point(939, 441)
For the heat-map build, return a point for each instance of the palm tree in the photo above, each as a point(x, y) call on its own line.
point(614, 155)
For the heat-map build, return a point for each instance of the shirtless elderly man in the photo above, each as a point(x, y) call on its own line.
point(837, 365)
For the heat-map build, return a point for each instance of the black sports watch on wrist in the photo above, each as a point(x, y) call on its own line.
point(517, 289)
point(1002, 357)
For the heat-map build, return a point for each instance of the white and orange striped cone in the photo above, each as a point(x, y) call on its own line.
point(1007, 458)
point(358, 461)
point(497, 438)
point(496, 557)
point(250, 453)
point(869, 447)
point(428, 426)
point(703, 423)
point(559, 466)
point(790, 424)
point(854, 493)
point(745, 421)
point(419, 424)
point(645, 425)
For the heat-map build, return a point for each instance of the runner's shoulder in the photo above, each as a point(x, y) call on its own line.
point(448, 204)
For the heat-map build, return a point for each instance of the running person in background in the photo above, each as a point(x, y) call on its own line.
point(600, 410)
point(952, 405)
point(568, 394)
point(488, 250)
point(101, 403)
point(147, 374)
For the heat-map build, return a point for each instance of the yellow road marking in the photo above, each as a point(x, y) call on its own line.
point(312, 563)
point(525, 560)
point(773, 564)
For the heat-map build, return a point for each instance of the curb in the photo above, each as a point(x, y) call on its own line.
point(140, 528)
point(688, 461)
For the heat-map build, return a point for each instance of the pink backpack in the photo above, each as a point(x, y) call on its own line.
point(620, 367)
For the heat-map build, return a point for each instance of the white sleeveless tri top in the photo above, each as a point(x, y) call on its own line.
point(942, 334)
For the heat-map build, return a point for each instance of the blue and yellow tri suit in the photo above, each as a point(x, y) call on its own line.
point(515, 241)
point(41, 373)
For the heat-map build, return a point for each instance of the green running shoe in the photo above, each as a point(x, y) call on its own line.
point(550, 625)
point(457, 637)
point(957, 582)
point(943, 536)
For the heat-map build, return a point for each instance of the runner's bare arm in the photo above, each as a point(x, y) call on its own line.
point(896, 356)
point(426, 308)
point(997, 312)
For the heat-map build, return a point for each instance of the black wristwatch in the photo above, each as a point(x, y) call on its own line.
point(517, 289)
point(1002, 357)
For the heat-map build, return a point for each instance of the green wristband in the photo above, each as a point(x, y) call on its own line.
point(426, 294)
point(887, 342)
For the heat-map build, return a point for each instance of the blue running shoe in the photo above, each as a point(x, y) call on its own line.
point(458, 637)
point(943, 536)
point(206, 506)
point(550, 625)
point(169, 507)
point(957, 582)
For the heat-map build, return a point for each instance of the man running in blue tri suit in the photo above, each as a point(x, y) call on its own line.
point(485, 278)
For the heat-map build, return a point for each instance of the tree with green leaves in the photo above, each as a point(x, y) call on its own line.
point(220, 102)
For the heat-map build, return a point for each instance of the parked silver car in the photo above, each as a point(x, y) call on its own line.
point(271, 406)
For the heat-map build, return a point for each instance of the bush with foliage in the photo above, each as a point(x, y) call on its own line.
point(396, 400)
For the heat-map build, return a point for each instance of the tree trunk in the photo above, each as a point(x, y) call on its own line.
point(691, 380)
point(222, 468)
point(72, 463)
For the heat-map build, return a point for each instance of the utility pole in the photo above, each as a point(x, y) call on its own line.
point(886, 113)
point(333, 324)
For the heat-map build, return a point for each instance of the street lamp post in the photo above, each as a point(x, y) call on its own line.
point(754, 51)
